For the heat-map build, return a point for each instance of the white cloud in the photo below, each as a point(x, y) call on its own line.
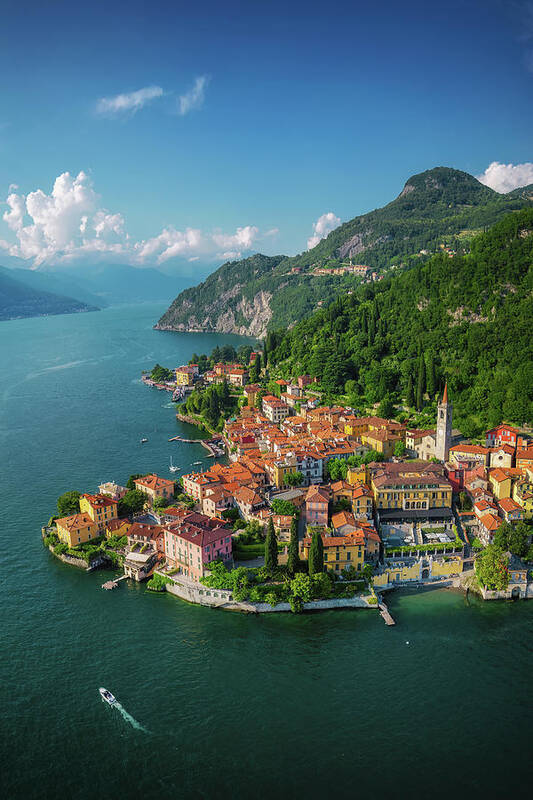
point(506, 177)
point(69, 224)
point(194, 98)
point(128, 102)
point(322, 227)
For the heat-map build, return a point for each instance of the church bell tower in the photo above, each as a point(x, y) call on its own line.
point(444, 427)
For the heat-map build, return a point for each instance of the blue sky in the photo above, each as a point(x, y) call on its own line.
point(263, 117)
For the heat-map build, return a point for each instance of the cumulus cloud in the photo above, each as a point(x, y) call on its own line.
point(194, 98)
point(322, 227)
point(506, 177)
point(69, 224)
point(128, 102)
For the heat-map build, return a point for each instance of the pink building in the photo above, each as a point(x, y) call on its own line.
point(191, 544)
point(316, 505)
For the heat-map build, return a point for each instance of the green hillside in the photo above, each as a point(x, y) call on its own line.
point(464, 318)
point(439, 207)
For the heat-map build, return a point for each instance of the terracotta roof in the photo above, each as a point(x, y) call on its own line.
point(154, 482)
point(99, 500)
point(498, 475)
point(317, 494)
point(507, 504)
point(75, 522)
point(491, 522)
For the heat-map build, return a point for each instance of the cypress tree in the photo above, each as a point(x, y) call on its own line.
point(431, 383)
point(271, 547)
point(410, 395)
point(421, 386)
point(292, 556)
point(316, 554)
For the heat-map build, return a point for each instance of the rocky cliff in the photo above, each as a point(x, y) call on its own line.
point(437, 208)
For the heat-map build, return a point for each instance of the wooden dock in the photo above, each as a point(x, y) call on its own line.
point(113, 583)
point(384, 611)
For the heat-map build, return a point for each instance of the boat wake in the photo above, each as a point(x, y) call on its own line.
point(132, 721)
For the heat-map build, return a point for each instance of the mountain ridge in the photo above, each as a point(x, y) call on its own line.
point(251, 296)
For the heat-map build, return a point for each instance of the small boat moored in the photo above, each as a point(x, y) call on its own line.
point(143, 440)
point(107, 696)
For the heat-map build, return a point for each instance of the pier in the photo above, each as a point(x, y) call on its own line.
point(384, 612)
point(113, 583)
point(213, 449)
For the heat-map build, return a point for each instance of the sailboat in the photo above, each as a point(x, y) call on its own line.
point(173, 467)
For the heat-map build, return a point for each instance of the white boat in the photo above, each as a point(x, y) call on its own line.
point(196, 462)
point(143, 440)
point(173, 467)
point(107, 696)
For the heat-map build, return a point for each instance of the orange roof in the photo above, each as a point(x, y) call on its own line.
point(507, 504)
point(154, 482)
point(491, 522)
point(76, 522)
point(498, 475)
point(469, 448)
point(99, 500)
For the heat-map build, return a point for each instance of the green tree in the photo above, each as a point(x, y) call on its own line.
point(255, 369)
point(302, 587)
point(69, 503)
point(502, 536)
point(431, 380)
point(421, 383)
point(518, 539)
point(399, 449)
point(294, 478)
point(283, 507)
point(409, 394)
point(293, 559)
point(316, 554)
point(213, 409)
point(386, 407)
point(271, 548)
point(492, 568)
point(130, 483)
point(132, 502)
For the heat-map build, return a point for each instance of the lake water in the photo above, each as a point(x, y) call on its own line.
point(214, 704)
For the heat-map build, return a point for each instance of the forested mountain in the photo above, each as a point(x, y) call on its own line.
point(467, 319)
point(17, 300)
point(439, 207)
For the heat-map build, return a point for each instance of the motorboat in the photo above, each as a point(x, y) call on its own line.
point(107, 696)
point(173, 467)
point(143, 440)
point(194, 463)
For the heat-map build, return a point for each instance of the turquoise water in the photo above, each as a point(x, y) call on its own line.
point(213, 704)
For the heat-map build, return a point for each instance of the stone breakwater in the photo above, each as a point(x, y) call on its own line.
point(202, 595)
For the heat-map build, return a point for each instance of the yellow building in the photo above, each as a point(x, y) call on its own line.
point(418, 570)
point(340, 551)
point(381, 441)
point(356, 475)
point(362, 502)
point(399, 572)
point(500, 483)
point(280, 472)
point(185, 376)
point(117, 527)
point(100, 508)
point(523, 495)
point(77, 529)
point(411, 486)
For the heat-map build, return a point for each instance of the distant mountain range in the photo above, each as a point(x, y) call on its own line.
point(18, 300)
point(64, 290)
point(439, 207)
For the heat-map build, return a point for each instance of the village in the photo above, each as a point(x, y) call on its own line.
point(316, 505)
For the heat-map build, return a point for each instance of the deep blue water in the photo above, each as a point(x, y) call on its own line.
point(214, 704)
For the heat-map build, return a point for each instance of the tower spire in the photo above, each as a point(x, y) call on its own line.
point(445, 395)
